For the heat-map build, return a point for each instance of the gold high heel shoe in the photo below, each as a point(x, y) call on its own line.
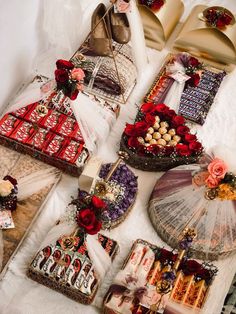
point(119, 27)
point(100, 39)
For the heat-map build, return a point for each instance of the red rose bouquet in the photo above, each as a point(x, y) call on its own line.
point(218, 17)
point(89, 209)
point(68, 78)
point(159, 132)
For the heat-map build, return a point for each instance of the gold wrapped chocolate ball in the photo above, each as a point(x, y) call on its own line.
point(148, 137)
point(156, 135)
point(141, 140)
point(171, 132)
point(177, 138)
point(166, 137)
point(161, 142)
point(172, 143)
point(150, 130)
point(156, 125)
point(153, 142)
point(162, 131)
point(164, 124)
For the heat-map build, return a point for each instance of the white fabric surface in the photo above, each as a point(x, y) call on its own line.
point(20, 295)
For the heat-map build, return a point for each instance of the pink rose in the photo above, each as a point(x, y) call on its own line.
point(212, 182)
point(200, 178)
point(77, 74)
point(217, 168)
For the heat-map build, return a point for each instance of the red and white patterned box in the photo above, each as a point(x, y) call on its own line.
point(33, 115)
point(40, 138)
point(21, 112)
point(54, 146)
point(77, 135)
point(23, 131)
point(71, 152)
point(68, 127)
point(8, 124)
point(52, 120)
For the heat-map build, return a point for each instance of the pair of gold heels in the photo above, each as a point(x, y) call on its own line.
point(106, 26)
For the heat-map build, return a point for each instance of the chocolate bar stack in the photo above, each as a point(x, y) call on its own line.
point(67, 268)
point(54, 138)
point(196, 102)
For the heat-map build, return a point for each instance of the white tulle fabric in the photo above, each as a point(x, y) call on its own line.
point(94, 120)
point(29, 185)
point(177, 72)
point(176, 203)
point(101, 260)
point(137, 38)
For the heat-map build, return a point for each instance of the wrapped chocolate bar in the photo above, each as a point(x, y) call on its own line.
point(187, 85)
point(152, 278)
point(159, 19)
point(159, 139)
point(200, 194)
point(74, 257)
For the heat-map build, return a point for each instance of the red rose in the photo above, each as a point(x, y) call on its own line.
point(178, 120)
point(161, 108)
point(157, 5)
point(170, 113)
point(61, 76)
point(182, 130)
point(12, 180)
point(183, 150)
point(97, 202)
point(64, 64)
point(141, 128)
point(130, 130)
point(204, 274)
point(190, 138)
point(195, 146)
point(87, 220)
point(167, 256)
point(227, 18)
point(153, 149)
point(133, 142)
point(194, 62)
point(150, 119)
point(74, 94)
point(194, 80)
point(147, 107)
point(191, 267)
point(168, 150)
point(220, 23)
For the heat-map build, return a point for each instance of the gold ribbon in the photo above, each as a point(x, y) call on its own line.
point(159, 26)
point(201, 40)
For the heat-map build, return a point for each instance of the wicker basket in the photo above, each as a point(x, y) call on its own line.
point(154, 163)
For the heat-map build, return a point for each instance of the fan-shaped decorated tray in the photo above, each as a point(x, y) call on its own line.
point(181, 198)
point(159, 140)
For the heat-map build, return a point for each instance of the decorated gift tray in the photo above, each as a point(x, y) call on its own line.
point(200, 81)
point(54, 138)
point(66, 267)
point(27, 209)
point(159, 140)
point(139, 287)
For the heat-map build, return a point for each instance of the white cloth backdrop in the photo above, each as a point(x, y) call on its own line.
point(20, 295)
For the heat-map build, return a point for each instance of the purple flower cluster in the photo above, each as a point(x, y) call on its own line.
point(124, 177)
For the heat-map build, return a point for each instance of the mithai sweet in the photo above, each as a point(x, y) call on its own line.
point(134, 289)
point(159, 139)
